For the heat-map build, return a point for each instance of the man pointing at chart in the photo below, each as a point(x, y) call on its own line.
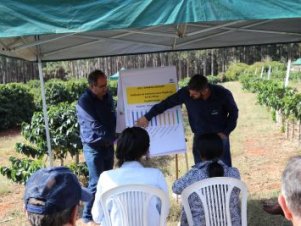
point(211, 109)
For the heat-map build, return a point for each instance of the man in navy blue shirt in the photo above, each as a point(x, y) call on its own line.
point(211, 109)
point(97, 120)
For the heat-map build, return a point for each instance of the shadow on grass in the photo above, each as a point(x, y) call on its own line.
point(258, 217)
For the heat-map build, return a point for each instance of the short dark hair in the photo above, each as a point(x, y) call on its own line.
point(198, 82)
point(210, 147)
point(291, 180)
point(132, 144)
point(58, 218)
point(94, 75)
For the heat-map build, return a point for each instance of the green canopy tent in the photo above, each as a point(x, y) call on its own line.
point(296, 66)
point(297, 62)
point(75, 29)
point(40, 30)
point(115, 77)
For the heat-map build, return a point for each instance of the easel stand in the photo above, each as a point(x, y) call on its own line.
point(177, 168)
point(177, 165)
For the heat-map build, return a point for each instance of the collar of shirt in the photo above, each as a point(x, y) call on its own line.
point(94, 96)
point(132, 164)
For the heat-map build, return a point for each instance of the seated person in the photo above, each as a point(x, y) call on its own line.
point(290, 197)
point(211, 149)
point(132, 145)
point(52, 197)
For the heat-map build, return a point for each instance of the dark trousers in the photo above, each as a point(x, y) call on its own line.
point(226, 158)
point(97, 161)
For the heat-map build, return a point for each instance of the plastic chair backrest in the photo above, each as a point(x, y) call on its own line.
point(133, 202)
point(215, 194)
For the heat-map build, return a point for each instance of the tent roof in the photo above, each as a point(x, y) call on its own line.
point(75, 29)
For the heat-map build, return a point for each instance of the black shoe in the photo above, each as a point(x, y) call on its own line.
point(274, 209)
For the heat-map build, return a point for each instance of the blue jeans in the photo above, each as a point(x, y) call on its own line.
point(97, 160)
point(226, 158)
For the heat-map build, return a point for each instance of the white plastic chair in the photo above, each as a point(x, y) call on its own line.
point(214, 194)
point(133, 202)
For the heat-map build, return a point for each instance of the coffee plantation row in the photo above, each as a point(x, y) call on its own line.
point(21, 104)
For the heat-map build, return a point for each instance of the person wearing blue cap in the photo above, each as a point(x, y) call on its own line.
point(52, 196)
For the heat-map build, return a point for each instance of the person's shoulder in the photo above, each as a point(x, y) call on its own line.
point(152, 169)
point(107, 174)
point(233, 172)
point(220, 91)
point(183, 92)
point(219, 88)
point(199, 169)
point(85, 95)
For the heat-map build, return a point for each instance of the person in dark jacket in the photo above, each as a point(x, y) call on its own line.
point(211, 109)
point(97, 120)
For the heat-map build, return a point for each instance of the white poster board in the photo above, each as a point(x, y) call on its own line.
point(138, 90)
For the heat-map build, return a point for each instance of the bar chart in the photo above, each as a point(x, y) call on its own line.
point(170, 117)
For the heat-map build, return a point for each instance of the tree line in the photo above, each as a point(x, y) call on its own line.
point(207, 62)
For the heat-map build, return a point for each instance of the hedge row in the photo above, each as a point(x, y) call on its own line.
point(19, 101)
point(16, 105)
point(65, 140)
point(274, 95)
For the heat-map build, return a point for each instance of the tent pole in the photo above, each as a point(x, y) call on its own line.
point(288, 69)
point(45, 112)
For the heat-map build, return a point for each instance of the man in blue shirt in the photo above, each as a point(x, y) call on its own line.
point(97, 120)
point(211, 109)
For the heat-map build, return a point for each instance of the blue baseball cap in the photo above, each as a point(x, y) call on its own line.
point(51, 190)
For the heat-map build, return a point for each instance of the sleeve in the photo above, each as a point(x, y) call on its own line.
point(97, 213)
point(232, 110)
point(189, 178)
point(171, 101)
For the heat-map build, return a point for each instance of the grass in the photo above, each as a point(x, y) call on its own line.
point(258, 151)
point(7, 144)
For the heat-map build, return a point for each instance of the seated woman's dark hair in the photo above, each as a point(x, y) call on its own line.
point(211, 149)
point(132, 144)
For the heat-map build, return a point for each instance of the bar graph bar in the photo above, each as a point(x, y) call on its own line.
point(167, 118)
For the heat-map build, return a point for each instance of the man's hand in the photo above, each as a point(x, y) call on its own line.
point(222, 135)
point(142, 122)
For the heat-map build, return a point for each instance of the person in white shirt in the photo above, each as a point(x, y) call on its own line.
point(132, 146)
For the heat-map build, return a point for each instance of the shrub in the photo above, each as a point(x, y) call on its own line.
point(235, 70)
point(56, 92)
point(21, 169)
point(183, 82)
point(214, 79)
point(16, 105)
point(113, 87)
point(64, 133)
point(63, 127)
point(75, 88)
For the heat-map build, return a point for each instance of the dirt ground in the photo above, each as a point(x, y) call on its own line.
point(259, 150)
